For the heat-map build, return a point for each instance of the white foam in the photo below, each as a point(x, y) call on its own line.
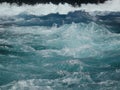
point(31, 85)
point(110, 5)
point(44, 9)
point(38, 9)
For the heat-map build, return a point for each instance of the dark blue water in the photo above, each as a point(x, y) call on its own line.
point(74, 51)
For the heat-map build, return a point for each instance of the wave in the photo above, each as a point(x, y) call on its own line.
point(51, 47)
point(45, 9)
point(72, 56)
point(77, 40)
point(46, 84)
point(110, 20)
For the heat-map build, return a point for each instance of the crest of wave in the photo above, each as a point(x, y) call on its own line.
point(44, 9)
point(110, 5)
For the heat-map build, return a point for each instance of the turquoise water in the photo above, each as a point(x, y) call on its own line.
point(76, 51)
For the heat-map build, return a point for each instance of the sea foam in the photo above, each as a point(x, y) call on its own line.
point(45, 9)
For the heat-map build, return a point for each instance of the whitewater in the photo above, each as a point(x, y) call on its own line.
point(60, 47)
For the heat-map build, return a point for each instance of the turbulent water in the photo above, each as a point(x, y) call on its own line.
point(60, 47)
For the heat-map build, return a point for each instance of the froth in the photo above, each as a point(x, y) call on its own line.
point(44, 9)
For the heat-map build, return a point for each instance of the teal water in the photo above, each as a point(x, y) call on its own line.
point(83, 53)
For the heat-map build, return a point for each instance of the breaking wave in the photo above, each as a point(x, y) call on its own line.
point(45, 9)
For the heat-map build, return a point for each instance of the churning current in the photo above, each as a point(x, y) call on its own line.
point(60, 47)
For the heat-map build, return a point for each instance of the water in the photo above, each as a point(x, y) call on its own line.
point(64, 48)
